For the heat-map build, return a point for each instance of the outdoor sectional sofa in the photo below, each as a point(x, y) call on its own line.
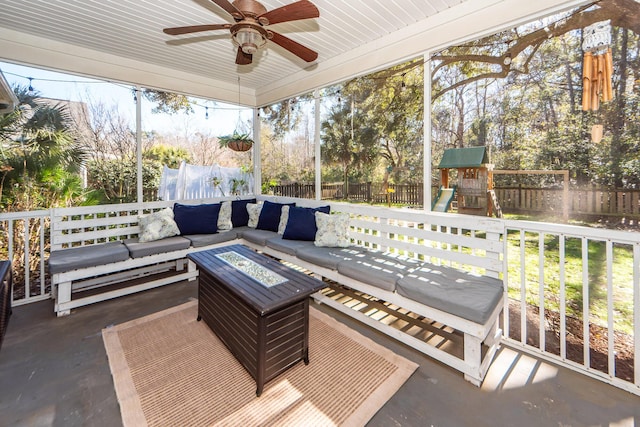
point(422, 262)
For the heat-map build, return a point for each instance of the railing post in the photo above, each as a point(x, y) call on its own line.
point(565, 196)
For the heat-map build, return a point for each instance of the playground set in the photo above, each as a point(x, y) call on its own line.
point(473, 187)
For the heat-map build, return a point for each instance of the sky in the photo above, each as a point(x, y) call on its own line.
point(222, 118)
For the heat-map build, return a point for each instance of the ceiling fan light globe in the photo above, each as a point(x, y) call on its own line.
point(249, 40)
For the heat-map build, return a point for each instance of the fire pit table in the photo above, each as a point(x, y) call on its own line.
point(258, 307)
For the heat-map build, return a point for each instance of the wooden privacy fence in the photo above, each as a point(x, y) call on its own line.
point(581, 200)
point(369, 192)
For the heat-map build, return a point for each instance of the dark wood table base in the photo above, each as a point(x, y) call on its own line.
point(265, 342)
point(265, 345)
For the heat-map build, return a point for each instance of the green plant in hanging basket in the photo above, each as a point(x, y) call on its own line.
point(236, 142)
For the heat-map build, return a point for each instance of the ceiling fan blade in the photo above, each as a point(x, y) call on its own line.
point(294, 47)
point(174, 31)
point(243, 58)
point(302, 9)
point(230, 8)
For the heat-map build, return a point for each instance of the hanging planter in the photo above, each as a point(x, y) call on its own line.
point(236, 142)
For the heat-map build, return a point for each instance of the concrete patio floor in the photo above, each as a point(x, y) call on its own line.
point(54, 372)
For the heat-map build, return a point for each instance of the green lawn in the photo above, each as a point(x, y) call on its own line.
point(622, 274)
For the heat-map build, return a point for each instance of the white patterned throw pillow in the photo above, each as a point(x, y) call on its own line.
point(254, 214)
point(157, 225)
point(224, 217)
point(284, 218)
point(333, 230)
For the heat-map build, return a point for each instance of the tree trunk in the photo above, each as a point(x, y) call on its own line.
point(567, 68)
point(618, 149)
point(460, 128)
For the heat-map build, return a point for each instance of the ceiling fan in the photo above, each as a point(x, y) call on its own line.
point(249, 32)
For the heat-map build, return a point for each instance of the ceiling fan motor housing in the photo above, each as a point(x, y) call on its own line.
point(250, 8)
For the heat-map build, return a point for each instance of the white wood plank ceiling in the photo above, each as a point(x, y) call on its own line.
point(128, 33)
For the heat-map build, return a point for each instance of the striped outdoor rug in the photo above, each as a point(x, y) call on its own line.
point(170, 370)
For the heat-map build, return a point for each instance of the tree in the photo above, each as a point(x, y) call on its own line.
point(168, 102)
point(39, 160)
point(530, 109)
point(285, 115)
point(115, 180)
point(40, 155)
point(205, 149)
point(167, 155)
point(495, 57)
point(348, 140)
point(377, 123)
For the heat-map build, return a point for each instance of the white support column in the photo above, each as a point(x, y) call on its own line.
point(316, 145)
point(257, 160)
point(427, 134)
point(139, 144)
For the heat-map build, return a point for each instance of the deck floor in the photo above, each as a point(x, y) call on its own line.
point(54, 372)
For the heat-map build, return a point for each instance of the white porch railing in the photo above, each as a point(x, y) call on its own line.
point(25, 242)
point(581, 284)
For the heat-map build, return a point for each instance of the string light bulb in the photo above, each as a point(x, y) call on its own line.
point(30, 91)
point(206, 112)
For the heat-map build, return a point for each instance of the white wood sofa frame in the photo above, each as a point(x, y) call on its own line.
point(84, 226)
point(463, 242)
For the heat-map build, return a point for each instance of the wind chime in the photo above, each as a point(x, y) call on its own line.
point(597, 71)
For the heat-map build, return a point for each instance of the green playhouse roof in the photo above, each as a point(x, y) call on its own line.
point(464, 157)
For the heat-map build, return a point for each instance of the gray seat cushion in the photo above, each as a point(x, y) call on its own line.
point(287, 246)
point(170, 244)
point(258, 237)
point(377, 269)
point(240, 230)
point(453, 291)
point(327, 257)
point(200, 240)
point(87, 256)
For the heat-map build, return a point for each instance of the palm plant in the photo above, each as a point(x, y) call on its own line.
point(39, 161)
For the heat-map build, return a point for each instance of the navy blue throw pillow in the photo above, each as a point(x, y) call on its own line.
point(196, 219)
point(239, 214)
point(270, 215)
point(302, 223)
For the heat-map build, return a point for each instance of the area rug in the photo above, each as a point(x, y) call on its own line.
point(170, 370)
